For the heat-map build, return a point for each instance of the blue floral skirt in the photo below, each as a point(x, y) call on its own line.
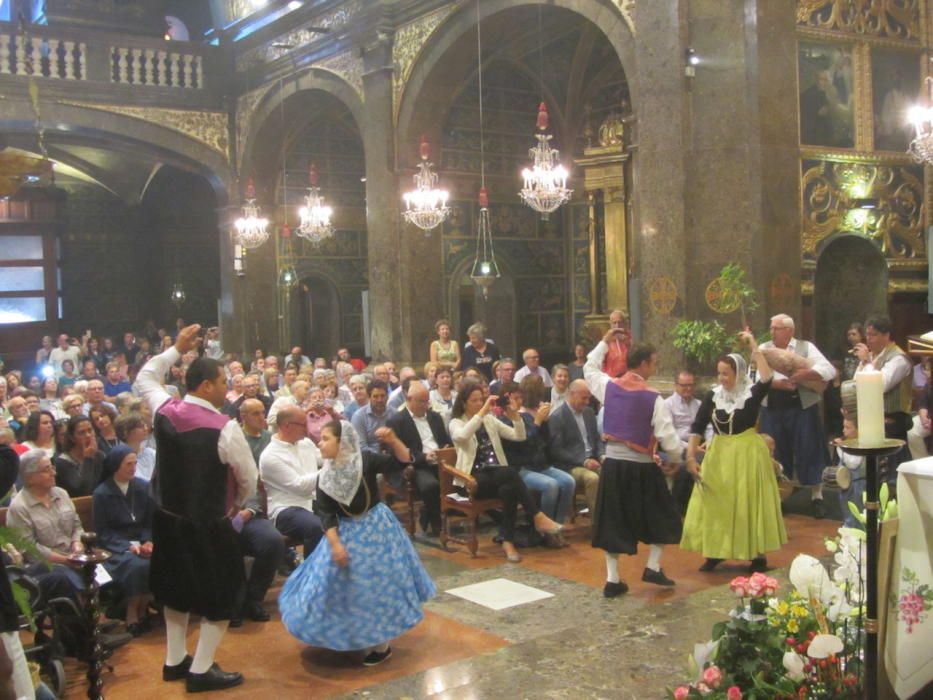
point(375, 598)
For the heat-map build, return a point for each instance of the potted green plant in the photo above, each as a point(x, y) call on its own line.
point(701, 342)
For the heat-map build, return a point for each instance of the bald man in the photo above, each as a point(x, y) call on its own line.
point(532, 361)
point(574, 441)
point(289, 471)
point(423, 433)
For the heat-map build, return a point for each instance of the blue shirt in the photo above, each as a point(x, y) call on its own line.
point(118, 388)
point(365, 422)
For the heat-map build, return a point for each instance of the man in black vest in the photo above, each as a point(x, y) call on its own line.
point(204, 468)
point(423, 433)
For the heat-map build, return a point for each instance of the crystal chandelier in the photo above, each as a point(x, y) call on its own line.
point(251, 230)
point(426, 206)
point(315, 215)
point(288, 277)
point(921, 117)
point(178, 295)
point(485, 270)
point(546, 182)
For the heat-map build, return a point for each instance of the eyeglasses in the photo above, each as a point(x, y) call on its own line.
point(293, 422)
point(685, 386)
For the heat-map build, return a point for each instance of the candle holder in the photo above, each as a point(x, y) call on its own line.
point(88, 561)
point(871, 453)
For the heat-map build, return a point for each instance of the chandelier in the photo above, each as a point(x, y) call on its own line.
point(921, 117)
point(288, 277)
point(485, 270)
point(251, 230)
point(315, 215)
point(178, 295)
point(426, 206)
point(546, 182)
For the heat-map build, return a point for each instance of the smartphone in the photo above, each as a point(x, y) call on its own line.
point(503, 401)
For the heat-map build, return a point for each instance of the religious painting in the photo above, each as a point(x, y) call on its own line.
point(895, 82)
point(827, 90)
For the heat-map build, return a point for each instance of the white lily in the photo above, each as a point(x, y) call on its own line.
point(810, 578)
point(793, 664)
point(701, 654)
point(823, 646)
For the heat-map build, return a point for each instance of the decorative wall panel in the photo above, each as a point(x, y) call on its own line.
point(890, 19)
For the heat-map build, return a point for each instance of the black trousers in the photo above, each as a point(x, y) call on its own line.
point(507, 484)
point(300, 524)
point(261, 541)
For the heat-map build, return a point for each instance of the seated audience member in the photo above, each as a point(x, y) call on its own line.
point(253, 422)
point(42, 354)
point(236, 391)
point(574, 441)
point(367, 420)
point(19, 414)
point(422, 431)
point(560, 374)
point(133, 431)
point(579, 359)
point(95, 396)
point(298, 396)
point(32, 400)
point(319, 414)
point(288, 378)
point(115, 384)
point(533, 367)
point(64, 351)
point(332, 397)
point(357, 385)
point(44, 516)
point(343, 354)
point(381, 372)
point(298, 358)
point(504, 371)
point(80, 467)
point(69, 376)
point(683, 407)
point(123, 401)
point(123, 511)
point(250, 391)
point(73, 405)
point(270, 382)
point(530, 457)
point(443, 395)
point(479, 352)
point(344, 372)
point(397, 397)
point(430, 375)
point(48, 397)
point(89, 371)
point(477, 435)
point(40, 433)
point(288, 468)
point(103, 419)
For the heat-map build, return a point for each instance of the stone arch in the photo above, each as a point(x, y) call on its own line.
point(600, 13)
point(305, 81)
point(851, 283)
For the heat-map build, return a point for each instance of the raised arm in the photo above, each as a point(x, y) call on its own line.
point(593, 373)
point(764, 369)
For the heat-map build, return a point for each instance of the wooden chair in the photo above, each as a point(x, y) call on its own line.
point(460, 508)
point(84, 507)
point(406, 494)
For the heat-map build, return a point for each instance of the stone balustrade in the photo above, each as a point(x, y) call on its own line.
point(156, 67)
point(42, 56)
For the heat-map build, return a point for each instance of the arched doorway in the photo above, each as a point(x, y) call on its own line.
point(851, 285)
point(498, 313)
point(319, 311)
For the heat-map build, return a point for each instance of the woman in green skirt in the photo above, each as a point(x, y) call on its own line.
point(735, 509)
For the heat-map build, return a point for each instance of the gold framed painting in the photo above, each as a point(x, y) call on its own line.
point(826, 85)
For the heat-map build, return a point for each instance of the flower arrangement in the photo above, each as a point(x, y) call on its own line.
point(804, 644)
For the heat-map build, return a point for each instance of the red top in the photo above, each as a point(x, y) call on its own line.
point(616, 362)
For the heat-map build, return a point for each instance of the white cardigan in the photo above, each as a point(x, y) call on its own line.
point(463, 434)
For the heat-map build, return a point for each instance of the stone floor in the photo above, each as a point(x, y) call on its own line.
point(575, 644)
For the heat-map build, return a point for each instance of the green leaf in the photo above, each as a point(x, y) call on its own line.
point(856, 513)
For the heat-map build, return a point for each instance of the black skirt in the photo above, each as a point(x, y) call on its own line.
point(196, 566)
point(633, 505)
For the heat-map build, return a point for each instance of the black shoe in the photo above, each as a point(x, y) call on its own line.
point(136, 629)
point(818, 509)
point(656, 577)
point(423, 520)
point(109, 642)
point(178, 671)
point(254, 611)
point(235, 621)
point(758, 565)
point(374, 658)
point(611, 590)
point(711, 564)
point(212, 679)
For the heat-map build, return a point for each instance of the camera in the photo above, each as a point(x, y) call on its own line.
point(503, 401)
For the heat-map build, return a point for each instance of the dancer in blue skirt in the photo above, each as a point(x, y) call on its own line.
point(364, 584)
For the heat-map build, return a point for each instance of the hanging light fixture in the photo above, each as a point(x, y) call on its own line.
point(921, 117)
point(485, 270)
point(251, 230)
point(315, 214)
point(178, 295)
point(545, 187)
point(426, 205)
point(288, 277)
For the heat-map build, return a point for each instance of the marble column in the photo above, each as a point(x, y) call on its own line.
point(388, 324)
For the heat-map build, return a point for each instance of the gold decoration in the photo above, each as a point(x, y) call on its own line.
point(208, 128)
point(830, 205)
point(612, 131)
point(409, 40)
point(908, 285)
point(17, 167)
point(347, 65)
point(627, 10)
point(721, 300)
point(782, 291)
point(806, 288)
point(662, 293)
point(892, 19)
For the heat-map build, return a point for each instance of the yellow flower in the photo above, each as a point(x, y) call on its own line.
point(782, 608)
point(792, 626)
point(798, 611)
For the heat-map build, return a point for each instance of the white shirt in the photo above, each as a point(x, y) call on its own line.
point(232, 448)
point(277, 406)
point(682, 415)
point(541, 372)
point(213, 350)
point(289, 472)
point(57, 356)
point(661, 422)
point(557, 398)
point(428, 443)
point(893, 372)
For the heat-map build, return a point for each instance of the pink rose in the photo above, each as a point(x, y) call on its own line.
point(757, 584)
point(703, 689)
point(682, 693)
point(739, 586)
point(734, 693)
point(712, 676)
point(771, 586)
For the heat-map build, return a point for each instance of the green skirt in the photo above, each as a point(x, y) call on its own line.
point(736, 512)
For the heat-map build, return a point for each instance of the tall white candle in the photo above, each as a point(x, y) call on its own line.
point(869, 396)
